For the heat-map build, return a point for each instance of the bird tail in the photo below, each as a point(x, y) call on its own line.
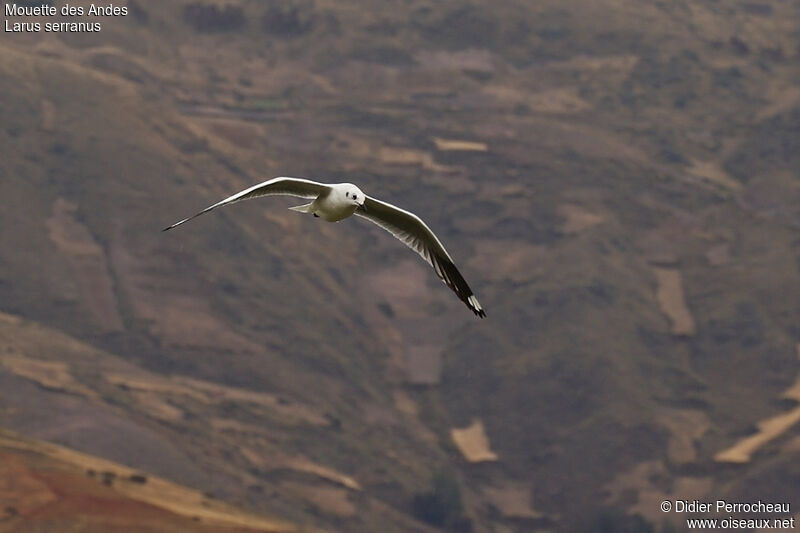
point(302, 208)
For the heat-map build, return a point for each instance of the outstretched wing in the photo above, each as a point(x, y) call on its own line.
point(276, 186)
point(410, 229)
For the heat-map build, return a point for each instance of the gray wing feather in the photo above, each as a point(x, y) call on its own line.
point(414, 233)
point(300, 187)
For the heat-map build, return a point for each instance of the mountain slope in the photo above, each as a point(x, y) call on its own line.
point(46, 487)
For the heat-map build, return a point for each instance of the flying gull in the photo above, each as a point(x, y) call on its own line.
point(336, 201)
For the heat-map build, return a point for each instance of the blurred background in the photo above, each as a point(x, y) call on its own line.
point(618, 180)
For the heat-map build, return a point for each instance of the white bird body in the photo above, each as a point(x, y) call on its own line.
point(335, 204)
point(337, 201)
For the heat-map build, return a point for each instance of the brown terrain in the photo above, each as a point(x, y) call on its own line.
point(45, 487)
point(617, 180)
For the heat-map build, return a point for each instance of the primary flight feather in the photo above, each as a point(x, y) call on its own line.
point(337, 201)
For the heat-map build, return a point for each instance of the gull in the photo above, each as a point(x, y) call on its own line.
point(336, 201)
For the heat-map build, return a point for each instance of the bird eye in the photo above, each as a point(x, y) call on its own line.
point(347, 194)
point(355, 197)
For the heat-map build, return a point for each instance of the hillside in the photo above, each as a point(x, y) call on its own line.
point(45, 486)
point(617, 180)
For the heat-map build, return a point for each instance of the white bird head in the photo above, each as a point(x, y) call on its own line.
point(354, 195)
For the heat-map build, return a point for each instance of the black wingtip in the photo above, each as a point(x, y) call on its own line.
point(176, 224)
point(472, 302)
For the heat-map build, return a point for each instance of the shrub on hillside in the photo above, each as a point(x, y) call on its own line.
point(284, 20)
point(441, 505)
point(210, 18)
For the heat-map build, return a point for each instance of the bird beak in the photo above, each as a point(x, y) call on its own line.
point(362, 207)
